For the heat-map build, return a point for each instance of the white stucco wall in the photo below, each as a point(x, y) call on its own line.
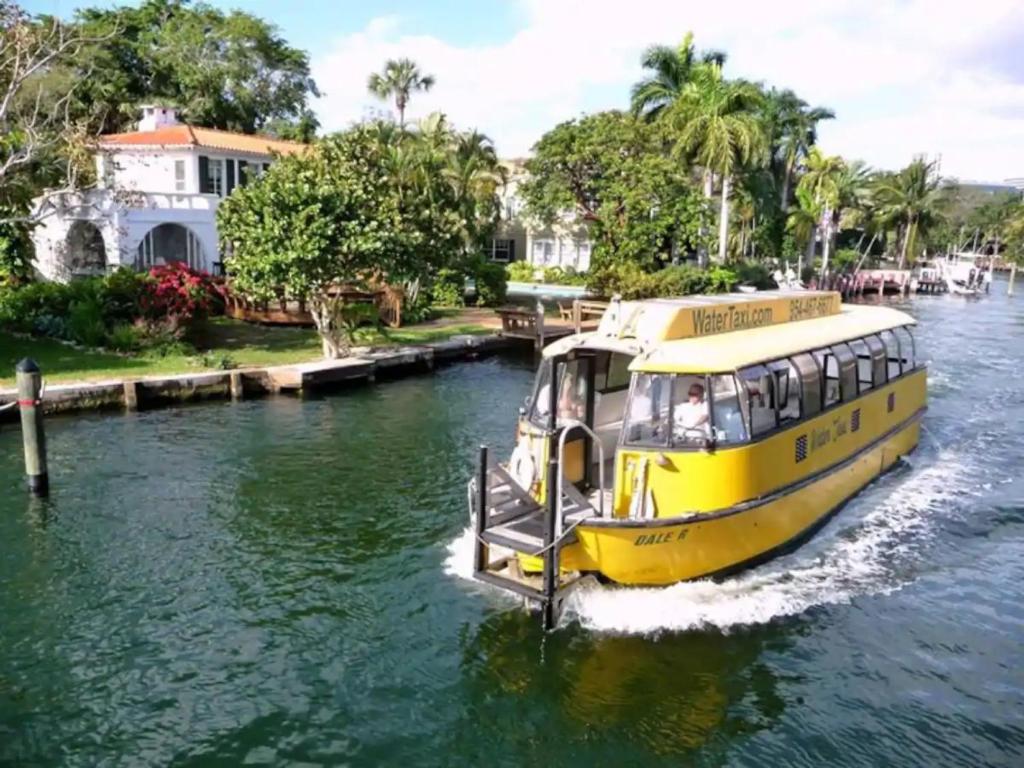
point(148, 171)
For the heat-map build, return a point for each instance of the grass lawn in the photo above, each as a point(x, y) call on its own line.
point(221, 341)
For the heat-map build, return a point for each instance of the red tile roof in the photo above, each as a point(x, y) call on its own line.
point(189, 136)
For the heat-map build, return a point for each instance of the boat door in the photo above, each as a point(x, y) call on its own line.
point(574, 401)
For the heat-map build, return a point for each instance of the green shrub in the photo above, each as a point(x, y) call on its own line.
point(21, 306)
point(125, 337)
point(123, 292)
point(680, 280)
point(755, 274)
point(85, 322)
point(418, 310)
point(564, 276)
point(626, 279)
point(720, 280)
point(449, 288)
point(491, 285)
point(520, 272)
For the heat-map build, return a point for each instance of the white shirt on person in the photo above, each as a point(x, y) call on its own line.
point(690, 415)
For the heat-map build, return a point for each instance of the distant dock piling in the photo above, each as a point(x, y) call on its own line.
point(30, 387)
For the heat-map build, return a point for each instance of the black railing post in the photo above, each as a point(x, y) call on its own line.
point(550, 547)
point(480, 554)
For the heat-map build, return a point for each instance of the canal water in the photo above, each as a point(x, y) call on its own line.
point(281, 582)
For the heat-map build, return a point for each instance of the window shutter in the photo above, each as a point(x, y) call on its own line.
point(205, 187)
point(243, 173)
point(229, 182)
point(511, 250)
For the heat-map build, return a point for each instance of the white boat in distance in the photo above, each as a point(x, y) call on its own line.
point(963, 272)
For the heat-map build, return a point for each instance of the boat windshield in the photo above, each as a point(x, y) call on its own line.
point(678, 410)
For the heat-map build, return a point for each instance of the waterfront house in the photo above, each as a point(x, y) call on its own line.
point(155, 200)
point(565, 243)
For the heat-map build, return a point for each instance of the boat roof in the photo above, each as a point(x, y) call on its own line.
point(731, 351)
point(645, 324)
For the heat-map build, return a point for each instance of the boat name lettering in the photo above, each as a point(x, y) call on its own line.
point(824, 435)
point(812, 306)
point(646, 539)
point(711, 320)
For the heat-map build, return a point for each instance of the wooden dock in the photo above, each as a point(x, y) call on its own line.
point(533, 325)
point(364, 365)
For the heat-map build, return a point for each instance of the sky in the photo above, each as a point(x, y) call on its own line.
point(944, 78)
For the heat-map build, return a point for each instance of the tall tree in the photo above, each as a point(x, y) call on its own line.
point(799, 124)
point(719, 127)
point(670, 69)
point(611, 171)
point(223, 70)
point(820, 186)
point(915, 199)
point(398, 80)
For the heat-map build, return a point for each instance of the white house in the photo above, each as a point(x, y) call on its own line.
point(564, 244)
point(155, 200)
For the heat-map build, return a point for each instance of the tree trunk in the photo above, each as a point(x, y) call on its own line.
point(809, 254)
point(826, 244)
point(702, 234)
point(786, 180)
point(723, 222)
point(908, 235)
point(326, 312)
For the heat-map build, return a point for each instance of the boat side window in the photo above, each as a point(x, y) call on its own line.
point(906, 339)
point(786, 380)
point(618, 372)
point(847, 362)
point(865, 377)
point(810, 384)
point(611, 372)
point(647, 412)
point(877, 349)
point(892, 353)
point(540, 404)
point(829, 366)
point(571, 402)
point(757, 399)
point(725, 410)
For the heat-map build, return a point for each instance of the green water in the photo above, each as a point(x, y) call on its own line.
point(276, 582)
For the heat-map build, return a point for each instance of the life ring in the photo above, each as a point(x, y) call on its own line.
point(521, 465)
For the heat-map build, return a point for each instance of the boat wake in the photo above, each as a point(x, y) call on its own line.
point(874, 546)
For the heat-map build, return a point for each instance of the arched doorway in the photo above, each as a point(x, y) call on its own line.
point(86, 253)
point(166, 243)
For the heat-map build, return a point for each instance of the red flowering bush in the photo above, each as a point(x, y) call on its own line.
point(178, 293)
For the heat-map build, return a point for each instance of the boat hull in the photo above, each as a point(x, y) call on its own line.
point(663, 551)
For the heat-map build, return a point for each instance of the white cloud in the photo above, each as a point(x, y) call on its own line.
point(904, 76)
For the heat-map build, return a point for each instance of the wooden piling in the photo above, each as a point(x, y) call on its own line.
point(131, 396)
point(30, 385)
point(236, 384)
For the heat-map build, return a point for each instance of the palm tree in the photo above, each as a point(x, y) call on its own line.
point(671, 69)
point(475, 175)
point(799, 134)
point(821, 187)
point(802, 223)
point(721, 130)
point(915, 199)
point(398, 80)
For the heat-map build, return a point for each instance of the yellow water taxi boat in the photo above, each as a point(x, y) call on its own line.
point(689, 438)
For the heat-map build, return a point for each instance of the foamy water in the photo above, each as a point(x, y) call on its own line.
point(857, 554)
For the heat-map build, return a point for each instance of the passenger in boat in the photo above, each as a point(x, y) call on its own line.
point(570, 404)
point(691, 417)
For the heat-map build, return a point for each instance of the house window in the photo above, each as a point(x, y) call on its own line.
point(179, 175)
point(211, 175)
point(543, 251)
point(582, 255)
point(503, 251)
